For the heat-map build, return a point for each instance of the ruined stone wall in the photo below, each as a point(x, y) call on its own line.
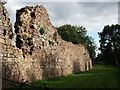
point(39, 51)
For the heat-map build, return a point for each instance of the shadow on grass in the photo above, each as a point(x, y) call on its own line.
point(102, 76)
point(118, 75)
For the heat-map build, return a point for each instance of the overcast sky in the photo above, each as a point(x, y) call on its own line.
point(92, 15)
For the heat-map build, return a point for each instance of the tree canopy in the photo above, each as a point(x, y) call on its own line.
point(77, 35)
point(110, 45)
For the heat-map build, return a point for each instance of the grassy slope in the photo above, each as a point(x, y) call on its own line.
point(100, 77)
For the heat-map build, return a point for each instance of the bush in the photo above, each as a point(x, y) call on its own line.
point(42, 31)
point(51, 43)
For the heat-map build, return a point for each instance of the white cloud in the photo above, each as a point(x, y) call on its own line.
point(85, 14)
point(12, 7)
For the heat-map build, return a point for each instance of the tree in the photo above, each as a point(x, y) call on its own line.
point(68, 33)
point(110, 44)
point(91, 46)
point(77, 35)
point(74, 34)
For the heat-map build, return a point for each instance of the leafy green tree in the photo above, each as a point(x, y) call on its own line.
point(77, 35)
point(91, 46)
point(68, 33)
point(110, 44)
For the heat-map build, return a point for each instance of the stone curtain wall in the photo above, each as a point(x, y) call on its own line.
point(39, 51)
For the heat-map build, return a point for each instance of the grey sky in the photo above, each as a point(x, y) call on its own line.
point(92, 15)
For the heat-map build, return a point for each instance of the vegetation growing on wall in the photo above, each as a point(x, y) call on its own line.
point(51, 42)
point(42, 31)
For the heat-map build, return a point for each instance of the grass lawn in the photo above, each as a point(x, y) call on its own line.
point(100, 77)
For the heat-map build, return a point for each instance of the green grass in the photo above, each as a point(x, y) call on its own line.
point(100, 77)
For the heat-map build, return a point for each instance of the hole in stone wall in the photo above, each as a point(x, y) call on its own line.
point(42, 43)
point(30, 42)
point(76, 67)
point(4, 33)
point(32, 27)
point(31, 50)
point(30, 53)
point(16, 29)
point(84, 53)
point(20, 23)
point(34, 9)
point(26, 12)
point(18, 37)
point(19, 42)
point(32, 14)
point(4, 13)
point(24, 52)
point(25, 30)
point(23, 56)
point(11, 36)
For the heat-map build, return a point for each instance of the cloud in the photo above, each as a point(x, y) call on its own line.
point(12, 7)
point(90, 15)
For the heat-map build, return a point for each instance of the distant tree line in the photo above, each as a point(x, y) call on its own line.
point(77, 35)
point(109, 45)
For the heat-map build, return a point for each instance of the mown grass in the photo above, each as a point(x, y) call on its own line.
point(100, 77)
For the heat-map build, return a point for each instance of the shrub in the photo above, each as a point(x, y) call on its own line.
point(51, 43)
point(42, 31)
